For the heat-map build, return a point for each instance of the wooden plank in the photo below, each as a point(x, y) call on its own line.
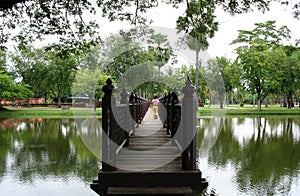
point(149, 149)
point(147, 190)
point(150, 165)
point(152, 179)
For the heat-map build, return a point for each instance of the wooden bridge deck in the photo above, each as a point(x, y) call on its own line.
point(150, 149)
point(150, 165)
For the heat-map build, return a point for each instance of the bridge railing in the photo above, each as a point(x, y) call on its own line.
point(118, 122)
point(179, 119)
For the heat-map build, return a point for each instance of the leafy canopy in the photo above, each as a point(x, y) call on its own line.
point(73, 22)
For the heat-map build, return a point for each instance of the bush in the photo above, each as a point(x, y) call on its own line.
point(241, 104)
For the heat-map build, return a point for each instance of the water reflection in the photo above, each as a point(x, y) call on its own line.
point(263, 155)
point(34, 151)
point(246, 156)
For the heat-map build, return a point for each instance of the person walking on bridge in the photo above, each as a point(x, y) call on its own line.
point(155, 103)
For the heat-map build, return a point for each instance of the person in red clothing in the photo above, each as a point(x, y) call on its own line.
point(155, 103)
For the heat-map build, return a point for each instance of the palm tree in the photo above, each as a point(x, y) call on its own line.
point(162, 51)
point(196, 43)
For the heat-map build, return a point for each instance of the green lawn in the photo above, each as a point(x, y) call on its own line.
point(247, 110)
point(236, 110)
point(49, 112)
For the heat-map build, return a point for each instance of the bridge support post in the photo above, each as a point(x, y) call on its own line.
point(125, 100)
point(169, 108)
point(188, 117)
point(132, 111)
point(109, 127)
point(175, 114)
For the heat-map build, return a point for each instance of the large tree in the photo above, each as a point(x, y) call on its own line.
point(62, 74)
point(218, 76)
point(50, 73)
point(31, 66)
point(161, 50)
point(256, 70)
point(287, 59)
point(10, 90)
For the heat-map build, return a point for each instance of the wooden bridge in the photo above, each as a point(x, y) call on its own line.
point(146, 156)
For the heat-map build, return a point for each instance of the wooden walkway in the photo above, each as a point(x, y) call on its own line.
point(150, 149)
point(150, 165)
point(148, 161)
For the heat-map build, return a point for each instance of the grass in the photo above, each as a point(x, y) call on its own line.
point(48, 112)
point(233, 110)
point(248, 110)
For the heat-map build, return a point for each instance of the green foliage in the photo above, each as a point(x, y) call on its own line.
point(32, 67)
point(90, 83)
point(218, 77)
point(72, 22)
point(162, 52)
point(2, 60)
point(264, 33)
point(258, 59)
point(50, 73)
point(199, 21)
point(6, 84)
point(36, 19)
point(9, 90)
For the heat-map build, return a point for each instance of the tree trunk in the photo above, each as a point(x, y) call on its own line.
point(221, 100)
point(59, 101)
point(46, 98)
point(259, 102)
point(197, 77)
point(95, 108)
point(290, 100)
point(284, 102)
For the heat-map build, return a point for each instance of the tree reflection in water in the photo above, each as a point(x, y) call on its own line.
point(36, 149)
point(264, 152)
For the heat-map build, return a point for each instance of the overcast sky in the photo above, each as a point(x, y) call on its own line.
point(229, 25)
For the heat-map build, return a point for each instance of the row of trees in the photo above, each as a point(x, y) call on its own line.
point(57, 73)
point(264, 67)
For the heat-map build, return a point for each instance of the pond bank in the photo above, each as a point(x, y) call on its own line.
point(231, 111)
point(49, 112)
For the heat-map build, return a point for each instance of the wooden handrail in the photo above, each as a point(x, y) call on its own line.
point(118, 122)
point(180, 121)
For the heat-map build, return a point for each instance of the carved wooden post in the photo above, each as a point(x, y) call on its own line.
point(174, 120)
point(188, 117)
point(132, 111)
point(165, 115)
point(125, 100)
point(168, 112)
point(109, 127)
point(137, 110)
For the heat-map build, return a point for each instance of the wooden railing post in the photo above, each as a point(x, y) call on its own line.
point(168, 104)
point(137, 109)
point(175, 113)
point(109, 127)
point(188, 117)
point(127, 127)
point(132, 111)
point(163, 115)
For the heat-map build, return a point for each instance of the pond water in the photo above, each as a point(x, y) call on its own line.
point(238, 156)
